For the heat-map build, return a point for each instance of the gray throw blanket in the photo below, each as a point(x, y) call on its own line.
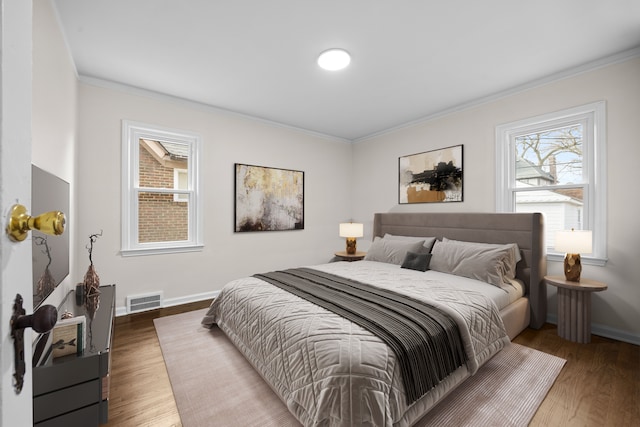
point(426, 341)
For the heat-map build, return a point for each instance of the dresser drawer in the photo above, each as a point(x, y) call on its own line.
point(65, 400)
point(81, 417)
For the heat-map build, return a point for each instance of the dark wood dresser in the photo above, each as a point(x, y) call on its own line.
point(73, 390)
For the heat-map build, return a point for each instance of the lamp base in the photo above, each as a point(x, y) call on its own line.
point(572, 267)
point(351, 245)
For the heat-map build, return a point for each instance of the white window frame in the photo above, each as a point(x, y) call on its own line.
point(593, 118)
point(132, 132)
point(176, 185)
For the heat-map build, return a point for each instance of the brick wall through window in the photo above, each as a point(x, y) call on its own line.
point(160, 218)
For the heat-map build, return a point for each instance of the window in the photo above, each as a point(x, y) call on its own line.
point(161, 208)
point(555, 164)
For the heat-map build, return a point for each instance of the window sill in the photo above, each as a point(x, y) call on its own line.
point(159, 251)
point(586, 260)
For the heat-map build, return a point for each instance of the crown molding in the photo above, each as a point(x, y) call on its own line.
point(109, 84)
point(564, 74)
point(568, 73)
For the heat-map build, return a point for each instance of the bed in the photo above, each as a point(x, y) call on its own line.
point(330, 369)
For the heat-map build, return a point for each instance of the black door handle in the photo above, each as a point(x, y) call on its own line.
point(43, 320)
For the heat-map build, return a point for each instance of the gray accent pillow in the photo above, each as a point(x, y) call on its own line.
point(391, 251)
point(510, 263)
point(416, 261)
point(428, 241)
point(482, 263)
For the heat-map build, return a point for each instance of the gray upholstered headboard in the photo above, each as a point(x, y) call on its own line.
point(525, 229)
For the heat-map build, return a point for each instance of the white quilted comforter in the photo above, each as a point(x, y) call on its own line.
point(330, 371)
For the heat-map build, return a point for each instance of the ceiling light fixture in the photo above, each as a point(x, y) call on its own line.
point(334, 59)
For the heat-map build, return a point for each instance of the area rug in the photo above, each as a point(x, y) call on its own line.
point(214, 385)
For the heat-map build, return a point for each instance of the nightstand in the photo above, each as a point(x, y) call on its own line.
point(574, 307)
point(344, 256)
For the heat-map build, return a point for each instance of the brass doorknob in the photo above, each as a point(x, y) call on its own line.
point(20, 222)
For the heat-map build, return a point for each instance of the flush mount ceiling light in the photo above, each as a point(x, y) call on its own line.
point(334, 59)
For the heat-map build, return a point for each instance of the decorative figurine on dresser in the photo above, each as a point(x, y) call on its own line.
point(91, 283)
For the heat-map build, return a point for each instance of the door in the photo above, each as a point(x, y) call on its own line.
point(15, 185)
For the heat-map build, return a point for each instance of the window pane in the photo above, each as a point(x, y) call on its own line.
point(161, 219)
point(181, 182)
point(550, 157)
point(159, 160)
point(563, 209)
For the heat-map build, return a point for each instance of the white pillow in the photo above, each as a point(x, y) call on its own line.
point(486, 264)
point(428, 241)
point(392, 251)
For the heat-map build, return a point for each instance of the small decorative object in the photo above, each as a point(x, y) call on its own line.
point(573, 242)
point(46, 283)
point(66, 315)
point(91, 282)
point(68, 336)
point(80, 294)
point(351, 230)
point(432, 176)
point(268, 199)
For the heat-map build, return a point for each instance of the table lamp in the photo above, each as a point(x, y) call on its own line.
point(573, 242)
point(351, 230)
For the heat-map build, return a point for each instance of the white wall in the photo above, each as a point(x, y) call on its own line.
point(227, 139)
point(54, 117)
point(616, 312)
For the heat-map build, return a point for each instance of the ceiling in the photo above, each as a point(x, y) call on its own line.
point(410, 59)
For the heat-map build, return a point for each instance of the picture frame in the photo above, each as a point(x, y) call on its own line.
point(69, 336)
point(268, 199)
point(431, 177)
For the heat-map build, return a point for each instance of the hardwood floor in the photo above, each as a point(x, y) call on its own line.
point(598, 386)
point(140, 393)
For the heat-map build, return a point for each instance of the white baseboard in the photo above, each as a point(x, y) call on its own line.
point(170, 302)
point(604, 331)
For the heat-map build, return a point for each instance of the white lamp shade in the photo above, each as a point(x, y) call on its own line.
point(351, 229)
point(574, 241)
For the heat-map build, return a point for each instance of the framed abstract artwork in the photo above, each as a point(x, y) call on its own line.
point(431, 177)
point(268, 199)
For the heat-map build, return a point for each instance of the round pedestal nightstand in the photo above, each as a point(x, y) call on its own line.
point(574, 307)
point(344, 256)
